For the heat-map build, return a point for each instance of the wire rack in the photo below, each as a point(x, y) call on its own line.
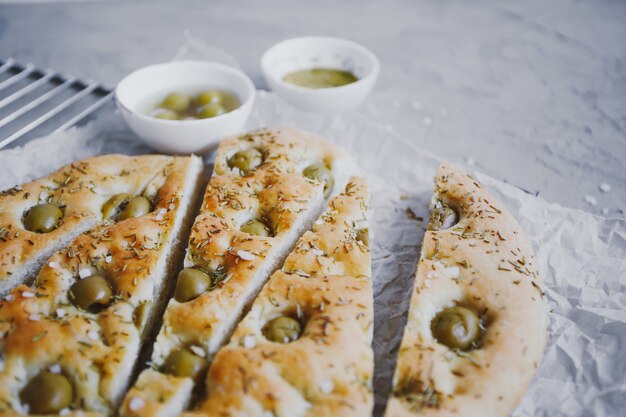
point(36, 102)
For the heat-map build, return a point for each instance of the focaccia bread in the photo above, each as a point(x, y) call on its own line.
point(477, 322)
point(70, 341)
point(268, 186)
point(40, 217)
point(304, 348)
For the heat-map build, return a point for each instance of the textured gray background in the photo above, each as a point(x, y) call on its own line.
point(532, 92)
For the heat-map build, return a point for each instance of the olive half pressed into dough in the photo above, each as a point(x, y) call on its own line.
point(184, 363)
point(125, 206)
point(320, 172)
point(191, 284)
point(47, 393)
point(282, 329)
point(442, 216)
point(256, 227)
point(91, 293)
point(246, 160)
point(42, 218)
point(456, 327)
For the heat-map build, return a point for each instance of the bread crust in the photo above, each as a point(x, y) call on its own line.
point(484, 262)
point(81, 188)
point(39, 325)
point(276, 191)
point(326, 283)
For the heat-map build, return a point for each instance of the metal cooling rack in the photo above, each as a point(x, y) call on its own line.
point(35, 102)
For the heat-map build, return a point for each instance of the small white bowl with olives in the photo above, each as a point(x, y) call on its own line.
point(319, 73)
point(185, 106)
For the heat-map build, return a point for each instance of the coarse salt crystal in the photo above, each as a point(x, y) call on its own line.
point(249, 342)
point(427, 283)
point(245, 255)
point(84, 273)
point(43, 196)
point(317, 252)
point(65, 412)
point(28, 294)
point(53, 264)
point(172, 207)
point(33, 317)
point(327, 387)
point(161, 214)
point(430, 274)
point(605, 188)
point(55, 369)
point(453, 271)
point(136, 403)
point(319, 221)
point(8, 297)
point(197, 350)
point(108, 259)
point(60, 313)
point(93, 335)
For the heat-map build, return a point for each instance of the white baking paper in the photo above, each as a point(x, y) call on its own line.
point(582, 256)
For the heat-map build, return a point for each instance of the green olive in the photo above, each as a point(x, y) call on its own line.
point(442, 216)
point(363, 236)
point(91, 293)
point(210, 110)
point(209, 96)
point(246, 160)
point(320, 172)
point(140, 315)
point(456, 327)
point(42, 218)
point(282, 329)
point(47, 393)
point(185, 363)
point(136, 207)
point(177, 102)
point(165, 114)
point(115, 204)
point(256, 227)
point(191, 284)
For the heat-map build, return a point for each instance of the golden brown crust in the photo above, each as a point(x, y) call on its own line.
point(40, 327)
point(325, 283)
point(276, 191)
point(80, 188)
point(483, 262)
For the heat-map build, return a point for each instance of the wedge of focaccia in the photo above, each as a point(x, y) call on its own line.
point(40, 217)
point(267, 187)
point(70, 341)
point(304, 348)
point(477, 322)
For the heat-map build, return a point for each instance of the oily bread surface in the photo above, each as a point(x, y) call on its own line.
point(276, 191)
point(80, 188)
point(484, 262)
point(40, 327)
point(326, 283)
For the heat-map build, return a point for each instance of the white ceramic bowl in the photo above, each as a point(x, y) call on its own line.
point(321, 52)
point(140, 92)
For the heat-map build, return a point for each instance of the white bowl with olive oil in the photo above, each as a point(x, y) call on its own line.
point(185, 106)
point(319, 73)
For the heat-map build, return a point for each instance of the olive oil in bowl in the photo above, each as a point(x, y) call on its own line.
point(320, 78)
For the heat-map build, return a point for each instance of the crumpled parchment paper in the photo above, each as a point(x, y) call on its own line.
point(582, 256)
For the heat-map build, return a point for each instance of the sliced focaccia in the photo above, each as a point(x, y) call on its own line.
point(477, 321)
point(70, 341)
point(267, 187)
point(40, 217)
point(304, 348)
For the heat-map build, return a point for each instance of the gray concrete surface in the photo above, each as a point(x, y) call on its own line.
point(531, 92)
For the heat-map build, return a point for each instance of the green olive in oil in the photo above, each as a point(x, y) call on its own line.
point(320, 78)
